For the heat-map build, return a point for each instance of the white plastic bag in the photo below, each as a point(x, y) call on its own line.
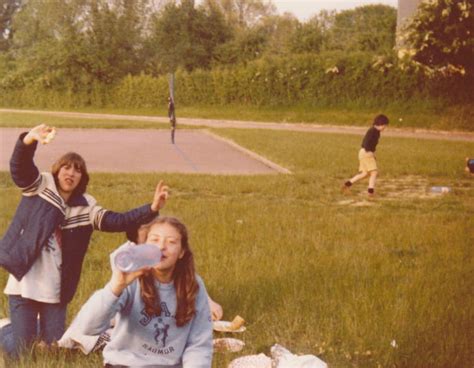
point(280, 358)
point(283, 358)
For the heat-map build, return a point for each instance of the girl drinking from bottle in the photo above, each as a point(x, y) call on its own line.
point(137, 235)
point(162, 313)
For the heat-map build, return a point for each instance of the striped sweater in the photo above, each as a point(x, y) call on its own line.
point(42, 210)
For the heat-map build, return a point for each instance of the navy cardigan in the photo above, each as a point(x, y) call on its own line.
point(42, 210)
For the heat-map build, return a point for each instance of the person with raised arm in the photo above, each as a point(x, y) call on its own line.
point(43, 248)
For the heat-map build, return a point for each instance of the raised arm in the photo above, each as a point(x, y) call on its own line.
point(22, 167)
point(110, 221)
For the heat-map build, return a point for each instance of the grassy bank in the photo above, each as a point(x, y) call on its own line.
point(361, 284)
point(401, 116)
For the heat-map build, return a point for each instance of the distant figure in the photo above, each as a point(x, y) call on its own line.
point(367, 161)
point(470, 165)
point(172, 116)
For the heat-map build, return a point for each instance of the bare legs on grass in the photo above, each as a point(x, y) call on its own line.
point(372, 179)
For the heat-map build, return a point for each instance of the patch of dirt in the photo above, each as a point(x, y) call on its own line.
point(404, 188)
point(407, 187)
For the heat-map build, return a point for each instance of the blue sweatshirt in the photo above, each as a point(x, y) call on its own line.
point(141, 340)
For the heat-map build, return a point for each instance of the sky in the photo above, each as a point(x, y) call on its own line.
point(304, 9)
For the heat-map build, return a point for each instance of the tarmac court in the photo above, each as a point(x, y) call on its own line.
point(145, 151)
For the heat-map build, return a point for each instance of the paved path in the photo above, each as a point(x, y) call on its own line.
point(392, 132)
point(145, 150)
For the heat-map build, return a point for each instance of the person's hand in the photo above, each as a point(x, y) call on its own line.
point(160, 197)
point(41, 133)
point(120, 280)
point(216, 310)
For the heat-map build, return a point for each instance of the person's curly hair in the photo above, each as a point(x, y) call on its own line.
point(184, 279)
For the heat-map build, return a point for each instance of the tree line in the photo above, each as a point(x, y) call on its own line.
point(87, 48)
point(76, 42)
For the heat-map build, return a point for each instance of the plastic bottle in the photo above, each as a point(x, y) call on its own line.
point(440, 189)
point(136, 257)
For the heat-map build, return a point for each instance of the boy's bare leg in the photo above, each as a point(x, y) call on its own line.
point(358, 177)
point(372, 179)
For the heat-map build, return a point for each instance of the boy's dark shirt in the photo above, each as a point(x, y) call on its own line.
point(371, 139)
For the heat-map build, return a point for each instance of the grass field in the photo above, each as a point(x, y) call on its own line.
point(401, 116)
point(385, 283)
point(14, 120)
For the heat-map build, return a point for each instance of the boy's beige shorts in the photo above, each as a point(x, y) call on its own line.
point(367, 161)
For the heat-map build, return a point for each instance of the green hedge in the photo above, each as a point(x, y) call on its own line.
point(310, 79)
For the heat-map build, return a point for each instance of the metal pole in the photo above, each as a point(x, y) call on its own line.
point(171, 106)
point(171, 85)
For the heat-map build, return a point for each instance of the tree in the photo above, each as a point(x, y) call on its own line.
point(76, 42)
point(312, 36)
point(246, 45)
point(188, 37)
point(7, 10)
point(44, 33)
point(280, 32)
point(440, 38)
point(113, 39)
point(248, 35)
point(366, 28)
point(242, 14)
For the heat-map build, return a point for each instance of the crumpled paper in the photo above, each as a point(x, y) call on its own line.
point(280, 358)
point(252, 361)
point(283, 358)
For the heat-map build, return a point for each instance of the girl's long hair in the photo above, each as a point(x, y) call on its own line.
point(184, 279)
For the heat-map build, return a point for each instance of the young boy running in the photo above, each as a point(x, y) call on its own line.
point(367, 162)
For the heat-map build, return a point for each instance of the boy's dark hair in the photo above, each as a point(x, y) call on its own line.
point(381, 120)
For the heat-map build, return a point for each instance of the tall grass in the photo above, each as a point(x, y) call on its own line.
point(386, 285)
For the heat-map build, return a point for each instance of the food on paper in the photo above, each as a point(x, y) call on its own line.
point(50, 136)
point(225, 326)
point(226, 344)
point(237, 322)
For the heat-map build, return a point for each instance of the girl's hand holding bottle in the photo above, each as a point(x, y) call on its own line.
point(120, 280)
